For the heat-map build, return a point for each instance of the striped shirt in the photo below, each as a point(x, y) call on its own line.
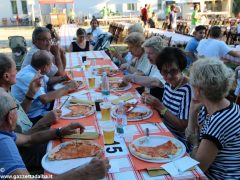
point(178, 103)
point(223, 129)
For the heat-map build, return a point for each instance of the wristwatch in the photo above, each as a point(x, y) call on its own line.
point(58, 133)
point(163, 111)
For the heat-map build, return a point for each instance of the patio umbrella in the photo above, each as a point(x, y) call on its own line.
point(55, 1)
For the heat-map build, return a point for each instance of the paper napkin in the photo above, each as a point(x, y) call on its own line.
point(178, 166)
point(123, 98)
point(84, 135)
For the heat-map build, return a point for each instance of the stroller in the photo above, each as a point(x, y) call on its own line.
point(19, 49)
point(103, 42)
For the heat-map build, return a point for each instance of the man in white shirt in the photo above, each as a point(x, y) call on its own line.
point(95, 29)
point(42, 40)
point(214, 46)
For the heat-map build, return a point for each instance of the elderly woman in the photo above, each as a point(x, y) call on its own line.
point(177, 92)
point(140, 63)
point(81, 44)
point(127, 56)
point(153, 79)
point(218, 148)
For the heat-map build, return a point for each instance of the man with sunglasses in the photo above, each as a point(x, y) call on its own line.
point(42, 40)
point(11, 162)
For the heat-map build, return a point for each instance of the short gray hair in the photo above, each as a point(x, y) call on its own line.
point(135, 38)
point(6, 104)
point(37, 32)
point(213, 77)
point(155, 42)
point(41, 58)
point(137, 27)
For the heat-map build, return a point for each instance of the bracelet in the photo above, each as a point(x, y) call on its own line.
point(59, 133)
point(163, 111)
point(29, 98)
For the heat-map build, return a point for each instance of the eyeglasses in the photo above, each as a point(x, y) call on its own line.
point(172, 72)
point(17, 107)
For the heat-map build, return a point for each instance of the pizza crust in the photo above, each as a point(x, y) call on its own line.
point(75, 149)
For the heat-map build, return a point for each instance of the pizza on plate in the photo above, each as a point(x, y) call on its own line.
point(75, 149)
point(136, 115)
point(117, 85)
point(108, 70)
point(78, 81)
point(78, 110)
point(156, 152)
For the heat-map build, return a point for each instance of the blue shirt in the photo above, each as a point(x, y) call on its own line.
point(10, 159)
point(191, 47)
point(20, 89)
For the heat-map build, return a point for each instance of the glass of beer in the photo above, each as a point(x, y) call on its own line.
point(108, 132)
point(106, 111)
point(91, 82)
point(87, 65)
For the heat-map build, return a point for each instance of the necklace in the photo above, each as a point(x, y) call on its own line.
point(179, 84)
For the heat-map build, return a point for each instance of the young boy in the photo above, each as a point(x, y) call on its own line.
point(191, 48)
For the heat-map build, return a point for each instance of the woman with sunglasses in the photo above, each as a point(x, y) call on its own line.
point(81, 44)
point(175, 104)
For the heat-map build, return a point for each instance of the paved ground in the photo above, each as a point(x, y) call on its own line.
point(26, 32)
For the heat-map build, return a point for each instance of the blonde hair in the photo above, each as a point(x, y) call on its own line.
point(213, 77)
point(135, 38)
point(155, 42)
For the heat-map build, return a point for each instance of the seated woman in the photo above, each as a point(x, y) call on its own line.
point(81, 44)
point(177, 92)
point(153, 79)
point(126, 56)
point(140, 63)
point(218, 148)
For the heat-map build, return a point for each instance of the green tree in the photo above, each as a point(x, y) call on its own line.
point(236, 7)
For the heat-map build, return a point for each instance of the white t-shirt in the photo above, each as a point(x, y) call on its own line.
point(155, 73)
point(95, 33)
point(212, 48)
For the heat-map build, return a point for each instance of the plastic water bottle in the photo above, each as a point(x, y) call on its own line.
point(121, 120)
point(105, 84)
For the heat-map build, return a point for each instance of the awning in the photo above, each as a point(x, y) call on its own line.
point(55, 1)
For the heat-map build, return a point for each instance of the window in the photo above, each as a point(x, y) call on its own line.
point(131, 7)
point(14, 7)
point(24, 7)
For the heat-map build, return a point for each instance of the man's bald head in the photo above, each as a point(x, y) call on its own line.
point(41, 59)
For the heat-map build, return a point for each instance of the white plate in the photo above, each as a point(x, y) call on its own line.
point(61, 85)
point(129, 86)
point(155, 140)
point(136, 109)
point(65, 110)
point(62, 166)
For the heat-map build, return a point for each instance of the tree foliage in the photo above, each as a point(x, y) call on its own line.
point(236, 7)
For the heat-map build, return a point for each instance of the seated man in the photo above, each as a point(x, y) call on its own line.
point(214, 47)
point(11, 161)
point(41, 62)
point(31, 155)
point(54, 35)
point(191, 48)
point(42, 40)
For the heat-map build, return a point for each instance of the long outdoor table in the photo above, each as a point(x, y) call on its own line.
point(176, 38)
point(124, 165)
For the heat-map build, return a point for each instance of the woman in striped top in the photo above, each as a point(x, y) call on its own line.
point(177, 92)
point(218, 148)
